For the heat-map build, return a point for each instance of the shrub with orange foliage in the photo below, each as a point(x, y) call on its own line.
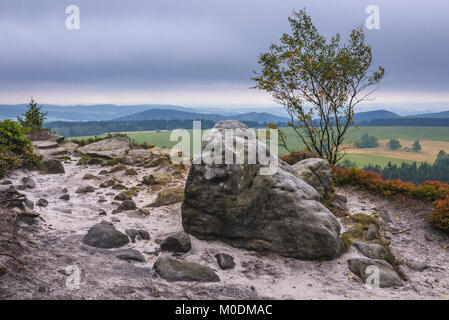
point(297, 156)
point(429, 190)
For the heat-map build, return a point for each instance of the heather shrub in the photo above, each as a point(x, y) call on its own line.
point(297, 156)
point(429, 190)
point(440, 214)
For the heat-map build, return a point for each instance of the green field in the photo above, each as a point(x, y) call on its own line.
point(162, 139)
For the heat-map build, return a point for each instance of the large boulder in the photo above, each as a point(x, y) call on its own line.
point(247, 208)
point(107, 148)
point(316, 172)
point(104, 235)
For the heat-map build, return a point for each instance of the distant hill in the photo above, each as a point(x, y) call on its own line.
point(376, 114)
point(162, 114)
point(437, 115)
point(82, 112)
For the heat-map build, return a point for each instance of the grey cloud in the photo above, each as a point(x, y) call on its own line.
point(172, 41)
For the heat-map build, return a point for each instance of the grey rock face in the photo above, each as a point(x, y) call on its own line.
point(172, 269)
point(372, 233)
point(225, 261)
point(52, 166)
point(278, 213)
point(104, 235)
point(387, 276)
point(416, 265)
point(373, 250)
point(108, 148)
point(315, 172)
point(178, 242)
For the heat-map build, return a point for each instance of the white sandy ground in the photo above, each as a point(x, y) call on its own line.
point(56, 244)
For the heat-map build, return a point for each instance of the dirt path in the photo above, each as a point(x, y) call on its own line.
point(54, 244)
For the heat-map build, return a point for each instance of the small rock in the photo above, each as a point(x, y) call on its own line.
point(149, 180)
point(86, 189)
point(168, 197)
point(65, 197)
point(132, 233)
point(416, 265)
point(104, 235)
point(122, 196)
point(117, 168)
point(29, 182)
point(108, 184)
point(102, 213)
point(172, 269)
point(94, 161)
point(373, 251)
point(225, 261)
point(144, 235)
point(387, 276)
point(42, 203)
point(6, 182)
point(65, 190)
point(178, 242)
point(145, 212)
point(102, 172)
point(130, 255)
point(102, 200)
point(131, 172)
point(126, 206)
point(119, 186)
point(52, 166)
point(372, 233)
point(89, 176)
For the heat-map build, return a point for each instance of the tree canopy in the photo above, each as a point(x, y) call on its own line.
point(319, 82)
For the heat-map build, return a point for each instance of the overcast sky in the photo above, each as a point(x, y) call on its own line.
point(203, 52)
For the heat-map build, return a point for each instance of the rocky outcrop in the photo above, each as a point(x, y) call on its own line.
point(315, 172)
point(238, 205)
point(179, 270)
point(107, 148)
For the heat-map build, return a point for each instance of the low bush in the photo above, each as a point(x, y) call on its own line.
point(15, 148)
point(297, 156)
point(429, 190)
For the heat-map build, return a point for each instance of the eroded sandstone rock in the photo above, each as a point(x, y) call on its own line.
point(278, 213)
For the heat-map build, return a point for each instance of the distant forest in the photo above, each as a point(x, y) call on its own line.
point(92, 128)
point(416, 173)
point(407, 122)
